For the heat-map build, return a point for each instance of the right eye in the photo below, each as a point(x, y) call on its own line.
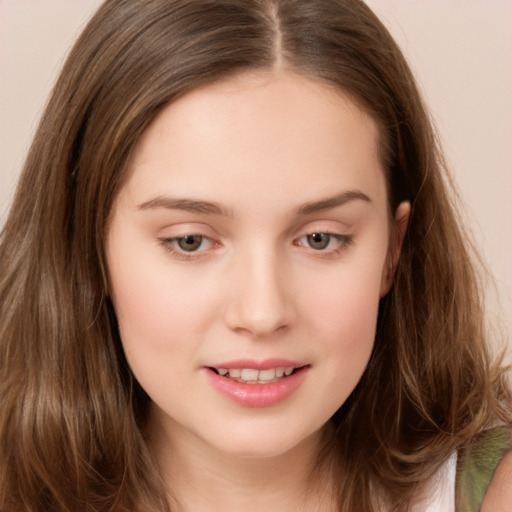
point(187, 246)
point(319, 241)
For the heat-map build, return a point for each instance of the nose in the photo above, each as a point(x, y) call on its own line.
point(261, 301)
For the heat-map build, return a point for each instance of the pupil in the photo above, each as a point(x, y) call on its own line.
point(319, 240)
point(190, 242)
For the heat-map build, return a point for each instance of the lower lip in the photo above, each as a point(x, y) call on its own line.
point(257, 395)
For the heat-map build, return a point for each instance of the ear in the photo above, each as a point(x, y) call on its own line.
point(401, 221)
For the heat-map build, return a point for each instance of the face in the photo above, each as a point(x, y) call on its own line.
point(248, 250)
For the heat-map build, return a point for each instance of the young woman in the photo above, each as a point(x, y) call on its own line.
point(232, 277)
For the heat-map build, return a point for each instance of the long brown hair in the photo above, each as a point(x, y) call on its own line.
point(72, 415)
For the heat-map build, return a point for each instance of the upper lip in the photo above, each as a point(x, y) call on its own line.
point(264, 364)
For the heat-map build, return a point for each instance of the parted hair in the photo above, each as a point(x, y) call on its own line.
point(72, 416)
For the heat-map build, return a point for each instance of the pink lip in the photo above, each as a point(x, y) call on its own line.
point(265, 364)
point(257, 395)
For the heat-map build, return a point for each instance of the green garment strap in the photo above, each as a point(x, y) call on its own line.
point(476, 466)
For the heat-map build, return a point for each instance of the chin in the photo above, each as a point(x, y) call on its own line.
point(266, 444)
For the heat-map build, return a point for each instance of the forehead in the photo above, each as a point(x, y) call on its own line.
point(259, 133)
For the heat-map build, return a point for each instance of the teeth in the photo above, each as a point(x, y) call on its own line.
point(267, 374)
point(255, 376)
point(248, 374)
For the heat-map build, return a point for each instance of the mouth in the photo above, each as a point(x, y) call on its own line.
point(257, 383)
point(254, 376)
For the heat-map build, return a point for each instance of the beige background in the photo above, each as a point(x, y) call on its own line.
point(461, 51)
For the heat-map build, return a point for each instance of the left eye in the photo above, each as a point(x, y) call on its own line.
point(190, 243)
point(321, 241)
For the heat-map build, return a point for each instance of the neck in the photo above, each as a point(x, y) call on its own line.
point(203, 479)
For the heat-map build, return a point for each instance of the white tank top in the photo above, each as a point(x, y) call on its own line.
point(441, 495)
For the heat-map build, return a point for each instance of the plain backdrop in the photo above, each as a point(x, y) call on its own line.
point(460, 51)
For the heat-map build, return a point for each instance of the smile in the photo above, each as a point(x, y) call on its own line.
point(253, 376)
point(253, 384)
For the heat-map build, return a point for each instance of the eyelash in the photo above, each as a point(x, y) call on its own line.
point(343, 241)
point(170, 244)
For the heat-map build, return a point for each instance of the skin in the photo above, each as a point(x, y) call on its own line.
point(263, 148)
point(498, 497)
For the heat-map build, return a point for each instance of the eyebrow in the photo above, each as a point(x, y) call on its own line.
point(189, 205)
point(332, 202)
point(210, 208)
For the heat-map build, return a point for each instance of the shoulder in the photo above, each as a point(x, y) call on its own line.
point(484, 473)
point(498, 497)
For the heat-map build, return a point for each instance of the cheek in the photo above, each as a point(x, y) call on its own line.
point(155, 310)
point(343, 319)
point(347, 303)
point(158, 325)
point(347, 326)
point(155, 307)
